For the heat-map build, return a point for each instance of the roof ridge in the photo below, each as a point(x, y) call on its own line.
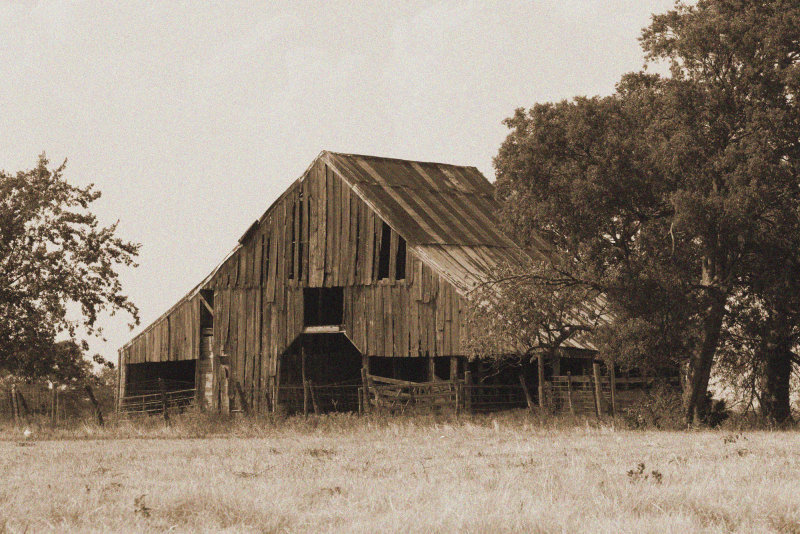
point(388, 158)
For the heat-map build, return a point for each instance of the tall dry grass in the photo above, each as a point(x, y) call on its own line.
point(510, 473)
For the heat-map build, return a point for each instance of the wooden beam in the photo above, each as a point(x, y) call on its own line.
point(597, 391)
point(453, 367)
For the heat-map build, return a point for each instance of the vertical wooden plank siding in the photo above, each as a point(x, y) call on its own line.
point(258, 310)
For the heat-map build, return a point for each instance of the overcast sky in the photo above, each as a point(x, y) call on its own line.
point(192, 117)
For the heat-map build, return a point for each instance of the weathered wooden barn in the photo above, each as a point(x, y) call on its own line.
point(363, 262)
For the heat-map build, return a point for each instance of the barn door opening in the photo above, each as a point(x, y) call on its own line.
point(330, 365)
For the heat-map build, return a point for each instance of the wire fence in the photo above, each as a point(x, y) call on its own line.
point(21, 402)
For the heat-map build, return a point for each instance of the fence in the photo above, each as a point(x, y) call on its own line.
point(61, 403)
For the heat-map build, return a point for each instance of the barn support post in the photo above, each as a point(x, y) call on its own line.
point(431, 369)
point(453, 368)
point(597, 391)
point(540, 369)
point(365, 381)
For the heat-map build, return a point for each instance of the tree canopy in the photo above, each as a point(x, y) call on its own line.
point(58, 272)
point(679, 193)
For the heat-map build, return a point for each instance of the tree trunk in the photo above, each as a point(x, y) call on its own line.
point(702, 359)
point(777, 359)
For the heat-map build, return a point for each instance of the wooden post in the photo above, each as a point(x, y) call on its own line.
point(360, 401)
point(276, 398)
point(569, 393)
point(453, 367)
point(21, 402)
point(597, 391)
point(431, 369)
point(224, 396)
point(14, 403)
point(365, 390)
point(242, 399)
point(163, 392)
point(467, 391)
point(540, 369)
point(53, 405)
point(459, 392)
point(98, 413)
point(268, 395)
point(303, 378)
point(527, 393)
point(364, 381)
point(313, 397)
point(612, 377)
point(305, 397)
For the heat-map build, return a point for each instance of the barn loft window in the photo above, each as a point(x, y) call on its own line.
point(391, 255)
point(323, 306)
point(400, 260)
point(384, 252)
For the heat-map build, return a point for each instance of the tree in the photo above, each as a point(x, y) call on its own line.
point(521, 310)
point(742, 59)
point(58, 271)
point(670, 190)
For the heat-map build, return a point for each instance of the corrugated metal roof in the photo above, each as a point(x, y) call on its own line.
point(446, 213)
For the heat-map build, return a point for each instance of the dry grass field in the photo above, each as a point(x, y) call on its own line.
point(345, 474)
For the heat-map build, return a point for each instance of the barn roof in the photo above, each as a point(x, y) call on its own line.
point(446, 213)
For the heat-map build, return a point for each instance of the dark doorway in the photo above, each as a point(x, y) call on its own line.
point(323, 306)
point(142, 378)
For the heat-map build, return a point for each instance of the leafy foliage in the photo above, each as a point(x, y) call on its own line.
point(57, 272)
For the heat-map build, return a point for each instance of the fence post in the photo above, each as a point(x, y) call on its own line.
point(527, 393)
point(14, 404)
point(97, 412)
point(365, 395)
point(612, 377)
point(360, 401)
point(163, 391)
point(597, 391)
point(313, 397)
point(468, 392)
point(53, 405)
point(305, 397)
point(540, 372)
point(569, 393)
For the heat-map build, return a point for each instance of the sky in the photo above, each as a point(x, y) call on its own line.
point(192, 117)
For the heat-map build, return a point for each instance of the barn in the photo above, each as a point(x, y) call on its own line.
point(360, 267)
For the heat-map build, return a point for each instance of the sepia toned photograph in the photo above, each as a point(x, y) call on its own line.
point(428, 267)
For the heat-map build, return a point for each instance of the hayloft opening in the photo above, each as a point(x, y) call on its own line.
point(323, 306)
point(384, 253)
